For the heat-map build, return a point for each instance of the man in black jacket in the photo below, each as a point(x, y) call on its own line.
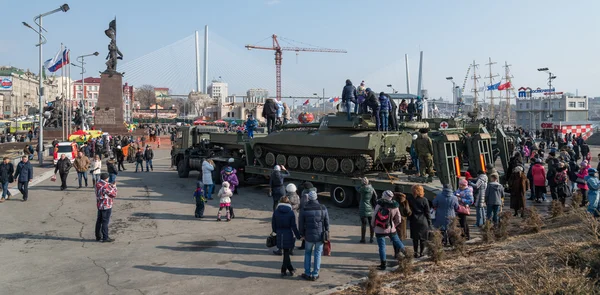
point(349, 95)
point(373, 103)
point(62, 166)
point(411, 109)
point(270, 113)
point(6, 177)
point(24, 175)
point(313, 223)
point(149, 155)
point(120, 158)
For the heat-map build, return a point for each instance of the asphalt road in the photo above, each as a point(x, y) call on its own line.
point(48, 243)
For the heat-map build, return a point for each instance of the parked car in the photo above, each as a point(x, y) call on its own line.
point(67, 148)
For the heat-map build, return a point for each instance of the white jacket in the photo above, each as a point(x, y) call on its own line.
point(207, 169)
point(225, 195)
point(97, 167)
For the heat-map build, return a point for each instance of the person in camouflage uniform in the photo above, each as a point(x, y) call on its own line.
point(424, 149)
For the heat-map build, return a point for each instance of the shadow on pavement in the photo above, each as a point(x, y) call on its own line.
point(213, 272)
point(27, 236)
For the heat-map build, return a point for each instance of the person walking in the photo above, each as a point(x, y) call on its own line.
point(139, 160)
point(563, 190)
point(538, 172)
point(283, 225)
point(479, 187)
point(224, 200)
point(445, 204)
point(464, 194)
point(349, 95)
point(105, 194)
point(420, 220)
point(24, 175)
point(112, 170)
point(518, 184)
point(208, 166)
point(292, 194)
point(200, 200)
point(581, 183)
point(6, 176)
point(365, 208)
point(276, 183)
point(120, 158)
point(148, 156)
point(63, 165)
point(96, 169)
point(493, 198)
point(81, 164)
point(314, 230)
point(228, 174)
point(386, 217)
point(593, 185)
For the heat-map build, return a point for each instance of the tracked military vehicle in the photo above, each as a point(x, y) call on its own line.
point(337, 146)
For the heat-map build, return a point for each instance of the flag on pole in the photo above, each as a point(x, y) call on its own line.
point(334, 99)
point(493, 86)
point(306, 102)
point(58, 61)
point(504, 86)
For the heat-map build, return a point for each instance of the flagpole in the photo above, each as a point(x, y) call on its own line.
point(62, 90)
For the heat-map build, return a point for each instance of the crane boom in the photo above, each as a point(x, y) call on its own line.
point(278, 57)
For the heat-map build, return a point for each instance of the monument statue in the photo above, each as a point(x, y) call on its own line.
point(113, 50)
point(53, 114)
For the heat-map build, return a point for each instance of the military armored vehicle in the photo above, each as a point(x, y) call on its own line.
point(337, 146)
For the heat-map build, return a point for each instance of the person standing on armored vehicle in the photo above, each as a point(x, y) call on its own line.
point(251, 125)
point(270, 113)
point(424, 149)
point(384, 112)
point(411, 109)
point(349, 95)
point(373, 103)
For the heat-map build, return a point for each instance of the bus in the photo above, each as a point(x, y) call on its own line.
point(21, 127)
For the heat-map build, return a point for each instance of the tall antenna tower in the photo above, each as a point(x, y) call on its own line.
point(491, 76)
point(475, 90)
point(509, 89)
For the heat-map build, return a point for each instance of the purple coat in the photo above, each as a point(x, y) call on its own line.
point(231, 178)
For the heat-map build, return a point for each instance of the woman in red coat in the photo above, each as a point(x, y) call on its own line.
point(539, 179)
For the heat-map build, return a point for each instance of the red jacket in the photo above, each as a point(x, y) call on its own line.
point(539, 174)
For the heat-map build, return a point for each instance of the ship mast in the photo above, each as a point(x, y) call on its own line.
point(475, 90)
point(489, 64)
point(508, 78)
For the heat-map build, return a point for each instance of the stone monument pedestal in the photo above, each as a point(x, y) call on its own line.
point(108, 114)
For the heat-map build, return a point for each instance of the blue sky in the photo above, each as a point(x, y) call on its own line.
point(529, 34)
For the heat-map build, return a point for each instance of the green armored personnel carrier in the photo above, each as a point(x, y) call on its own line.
point(336, 146)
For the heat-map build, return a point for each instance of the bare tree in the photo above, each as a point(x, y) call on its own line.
point(145, 95)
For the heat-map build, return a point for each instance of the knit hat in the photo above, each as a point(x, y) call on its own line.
point(368, 89)
point(277, 168)
point(231, 160)
point(462, 182)
point(225, 184)
point(446, 186)
point(312, 195)
point(308, 185)
point(290, 188)
point(518, 169)
point(228, 169)
point(199, 184)
point(388, 195)
point(364, 180)
point(583, 163)
point(592, 171)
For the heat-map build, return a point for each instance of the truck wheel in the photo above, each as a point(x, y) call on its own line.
point(342, 196)
point(182, 169)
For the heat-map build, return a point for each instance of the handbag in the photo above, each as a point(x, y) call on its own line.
point(462, 209)
point(327, 248)
point(271, 241)
point(53, 178)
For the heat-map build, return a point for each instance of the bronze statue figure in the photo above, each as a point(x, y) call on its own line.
point(113, 51)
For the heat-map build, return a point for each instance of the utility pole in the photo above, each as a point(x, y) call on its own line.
point(508, 78)
point(491, 76)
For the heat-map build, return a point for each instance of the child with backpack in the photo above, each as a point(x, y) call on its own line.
point(224, 200)
point(386, 218)
point(200, 200)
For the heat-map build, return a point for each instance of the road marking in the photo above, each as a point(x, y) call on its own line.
point(35, 181)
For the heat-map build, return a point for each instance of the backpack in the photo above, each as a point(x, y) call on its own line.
point(383, 218)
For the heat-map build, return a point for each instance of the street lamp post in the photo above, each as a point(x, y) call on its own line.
point(82, 57)
point(451, 79)
point(42, 40)
point(393, 90)
point(551, 77)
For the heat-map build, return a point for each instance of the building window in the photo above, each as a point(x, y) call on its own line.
point(581, 105)
point(79, 95)
point(527, 105)
point(79, 87)
point(572, 104)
